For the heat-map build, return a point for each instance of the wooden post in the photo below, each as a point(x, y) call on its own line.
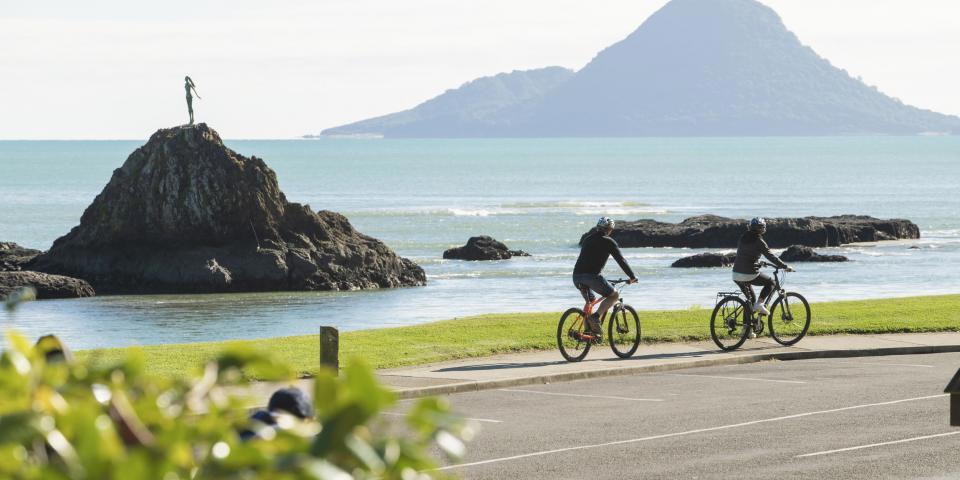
point(955, 409)
point(330, 348)
point(953, 388)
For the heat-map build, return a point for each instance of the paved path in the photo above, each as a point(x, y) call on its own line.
point(851, 418)
point(531, 368)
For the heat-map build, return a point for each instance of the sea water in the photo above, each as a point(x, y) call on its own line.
point(423, 196)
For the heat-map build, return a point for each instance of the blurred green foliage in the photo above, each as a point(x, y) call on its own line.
point(64, 419)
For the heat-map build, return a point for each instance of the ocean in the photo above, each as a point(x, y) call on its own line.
point(423, 196)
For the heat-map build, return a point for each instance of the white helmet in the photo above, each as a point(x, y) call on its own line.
point(605, 222)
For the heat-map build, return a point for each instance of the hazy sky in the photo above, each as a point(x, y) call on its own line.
point(114, 68)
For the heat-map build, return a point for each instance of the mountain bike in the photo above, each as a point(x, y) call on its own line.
point(733, 317)
point(623, 330)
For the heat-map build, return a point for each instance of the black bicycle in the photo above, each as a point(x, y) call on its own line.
point(733, 317)
point(623, 331)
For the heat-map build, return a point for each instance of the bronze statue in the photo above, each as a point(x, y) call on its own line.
point(189, 85)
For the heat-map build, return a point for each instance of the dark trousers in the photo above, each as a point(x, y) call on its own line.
point(762, 280)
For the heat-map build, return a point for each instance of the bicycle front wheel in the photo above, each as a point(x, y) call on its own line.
point(729, 324)
point(789, 318)
point(570, 339)
point(624, 331)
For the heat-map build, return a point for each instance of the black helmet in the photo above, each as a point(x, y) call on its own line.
point(758, 224)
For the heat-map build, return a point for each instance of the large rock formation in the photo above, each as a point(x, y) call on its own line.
point(47, 286)
point(706, 260)
point(799, 253)
point(694, 68)
point(186, 214)
point(483, 248)
point(711, 231)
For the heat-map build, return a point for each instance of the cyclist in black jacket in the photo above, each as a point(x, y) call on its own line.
point(595, 249)
point(746, 268)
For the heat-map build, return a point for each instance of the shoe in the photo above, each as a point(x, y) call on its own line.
point(593, 325)
point(761, 309)
point(751, 334)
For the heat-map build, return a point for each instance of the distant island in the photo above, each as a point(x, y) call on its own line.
point(694, 68)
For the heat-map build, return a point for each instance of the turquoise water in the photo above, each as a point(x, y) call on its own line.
point(423, 196)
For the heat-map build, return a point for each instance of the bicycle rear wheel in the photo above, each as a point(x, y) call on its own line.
point(789, 318)
point(570, 339)
point(624, 331)
point(729, 324)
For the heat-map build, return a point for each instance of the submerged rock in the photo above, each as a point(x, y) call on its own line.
point(186, 214)
point(483, 248)
point(47, 286)
point(799, 253)
point(711, 231)
point(706, 260)
point(13, 257)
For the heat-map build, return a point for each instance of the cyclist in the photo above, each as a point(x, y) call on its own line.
point(746, 267)
point(595, 249)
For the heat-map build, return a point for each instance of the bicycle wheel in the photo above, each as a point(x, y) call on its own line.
point(789, 318)
point(729, 324)
point(624, 331)
point(569, 335)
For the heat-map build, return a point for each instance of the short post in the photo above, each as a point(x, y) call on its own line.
point(953, 388)
point(330, 348)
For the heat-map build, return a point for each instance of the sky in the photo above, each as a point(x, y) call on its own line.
point(113, 69)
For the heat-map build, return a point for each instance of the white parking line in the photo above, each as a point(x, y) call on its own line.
point(634, 399)
point(481, 420)
point(914, 439)
point(726, 378)
point(690, 432)
point(874, 363)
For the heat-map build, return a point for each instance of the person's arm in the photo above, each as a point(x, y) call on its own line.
point(615, 252)
point(765, 249)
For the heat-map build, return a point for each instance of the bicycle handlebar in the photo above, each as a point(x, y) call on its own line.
point(619, 281)
point(768, 264)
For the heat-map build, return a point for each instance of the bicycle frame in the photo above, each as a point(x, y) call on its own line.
point(588, 306)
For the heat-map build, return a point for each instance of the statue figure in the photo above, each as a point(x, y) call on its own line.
point(189, 85)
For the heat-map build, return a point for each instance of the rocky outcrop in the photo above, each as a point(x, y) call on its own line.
point(47, 286)
point(799, 253)
point(483, 248)
point(186, 214)
point(13, 257)
point(711, 231)
point(706, 260)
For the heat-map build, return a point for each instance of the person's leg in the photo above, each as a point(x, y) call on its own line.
point(607, 302)
point(747, 291)
point(765, 281)
point(602, 287)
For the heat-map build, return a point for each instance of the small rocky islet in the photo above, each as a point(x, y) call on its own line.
point(186, 214)
point(483, 247)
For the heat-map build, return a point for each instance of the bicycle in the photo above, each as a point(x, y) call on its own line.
point(733, 317)
point(623, 330)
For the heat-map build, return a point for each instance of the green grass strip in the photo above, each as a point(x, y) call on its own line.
point(515, 332)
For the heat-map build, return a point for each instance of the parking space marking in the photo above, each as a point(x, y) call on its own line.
point(860, 447)
point(608, 397)
point(481, 420)
point(690, 432)
point(881, 364)
point(728, 378)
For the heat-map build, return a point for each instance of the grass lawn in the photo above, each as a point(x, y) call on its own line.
point(513, 332)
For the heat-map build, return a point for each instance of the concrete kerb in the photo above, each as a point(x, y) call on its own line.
point(476, 386)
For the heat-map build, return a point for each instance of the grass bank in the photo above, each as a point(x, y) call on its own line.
point(513, 332)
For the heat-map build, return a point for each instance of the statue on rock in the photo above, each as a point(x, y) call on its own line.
point(189, 85)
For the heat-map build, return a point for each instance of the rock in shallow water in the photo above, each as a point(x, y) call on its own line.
point(483, 248)
point(47, 286)
point(13, 257)
point(799, 253)
point(186, 214)
point(706, 260)
point(711, 231)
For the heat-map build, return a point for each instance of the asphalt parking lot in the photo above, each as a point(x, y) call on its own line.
point(867, 417)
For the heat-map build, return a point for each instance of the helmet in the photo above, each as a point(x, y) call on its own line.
point(758, 224)
point(605, 222)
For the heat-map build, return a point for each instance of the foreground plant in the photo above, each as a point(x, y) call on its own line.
point(65, 419)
